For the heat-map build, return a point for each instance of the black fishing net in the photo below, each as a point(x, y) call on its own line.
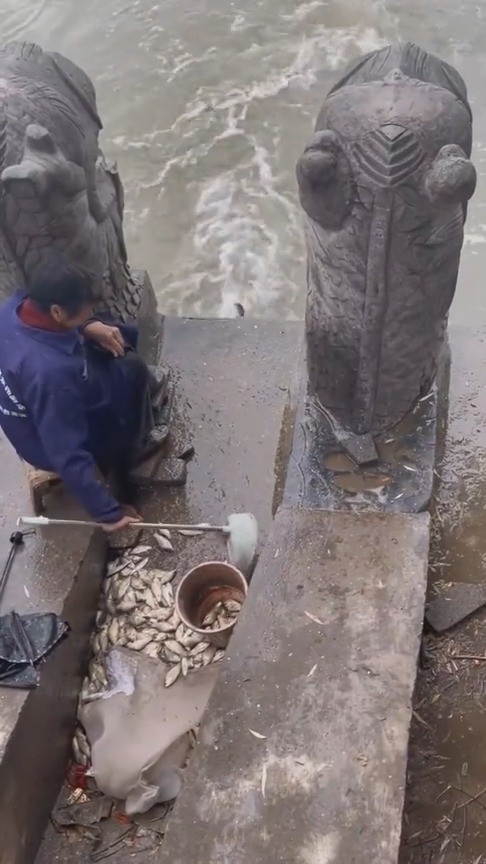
point(24, 641)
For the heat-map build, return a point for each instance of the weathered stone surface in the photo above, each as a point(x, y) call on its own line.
point(232, 396)
point(161, 472)
point(384, 183)
point(59, 192)
point(454, 603)
point(322, 664)
point(332, 468)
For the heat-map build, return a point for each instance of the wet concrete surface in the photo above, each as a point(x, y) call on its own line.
point(56, 572)
point(337, 470)
point(302, 752)
point(442, 825)
point(234, 384)
point(444, 822)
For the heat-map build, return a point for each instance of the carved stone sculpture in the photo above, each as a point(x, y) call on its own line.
point(384, 184)
point(58, 193)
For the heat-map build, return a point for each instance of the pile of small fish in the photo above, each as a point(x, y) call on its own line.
point(137, 612)
point(221, 615)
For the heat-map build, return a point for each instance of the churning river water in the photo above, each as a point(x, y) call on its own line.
point(206, 106)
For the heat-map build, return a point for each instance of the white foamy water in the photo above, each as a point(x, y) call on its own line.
point(207, 105)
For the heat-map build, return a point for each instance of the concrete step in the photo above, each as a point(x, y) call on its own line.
point(302, 753)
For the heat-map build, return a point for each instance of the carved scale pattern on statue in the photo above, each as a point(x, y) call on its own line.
point(384, 184)
point(58, 193)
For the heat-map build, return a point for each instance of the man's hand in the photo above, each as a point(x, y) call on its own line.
point(106, 336)
point(130, 517)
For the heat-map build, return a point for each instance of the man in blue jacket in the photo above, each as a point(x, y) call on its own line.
point(74, 394)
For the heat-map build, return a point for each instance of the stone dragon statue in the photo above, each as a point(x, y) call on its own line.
point(58, 192)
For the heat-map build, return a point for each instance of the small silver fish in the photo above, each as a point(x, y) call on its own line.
point(167, 594)
point(113, 631)
point(96, 674)
point(172, 675)
point(161, 614)
point(211, 618)
point(127, 605)
point(232, 606)
point(164, 532)
point(78, 756)
point(175, 647)
point(83, 742)
point(162, 576)
point(142, 550)
point(184, 666)
point(115, 567)
point(95, 644)
point(191, 639)
point(199, 648)
point(163, 626)
point(163, 544)
point(111, 605)
point(149, 599)
point(141, 565)
point(156, 589)
point(137, 618)
point(180, 632)
point(218, 656)
point(137, 583)
point(208, 655)
point(140, 643)
point(186, 532)
point(123, 588)
point(170, 656)
point(151, 650)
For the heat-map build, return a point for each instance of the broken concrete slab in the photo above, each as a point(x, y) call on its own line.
point(453, 603)
point(302, 753)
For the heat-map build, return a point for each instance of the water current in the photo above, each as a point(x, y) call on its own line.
point(206, 106)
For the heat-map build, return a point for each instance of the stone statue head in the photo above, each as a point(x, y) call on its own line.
point(58, 193)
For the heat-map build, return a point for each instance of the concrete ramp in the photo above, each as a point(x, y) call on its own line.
point(302, 754)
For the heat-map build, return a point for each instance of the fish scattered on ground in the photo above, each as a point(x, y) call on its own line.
point(137, 611)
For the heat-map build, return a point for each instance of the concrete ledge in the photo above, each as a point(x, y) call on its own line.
point(323, 665)
point(59, 572)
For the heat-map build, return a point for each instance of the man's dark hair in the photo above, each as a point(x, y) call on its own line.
point(62, 284)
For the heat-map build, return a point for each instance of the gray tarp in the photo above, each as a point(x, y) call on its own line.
point(138, 730)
